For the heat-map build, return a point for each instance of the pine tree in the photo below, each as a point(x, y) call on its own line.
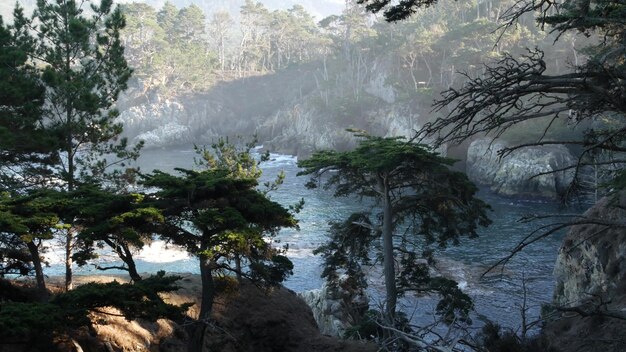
point(26, 221)
point(218, 215)
point(80, 60)
point(121, 221)
point(414, 187)
point(25, 148)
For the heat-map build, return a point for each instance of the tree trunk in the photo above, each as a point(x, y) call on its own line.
point(125, 254)
point(196, 340)
point(389, 270)
point(238, 268)
point(132, 267)
point(68, 260)
point(41, 282)
point(69, 149)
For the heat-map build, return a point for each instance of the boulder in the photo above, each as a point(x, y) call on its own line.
point(592, 259)
point(591, 277)
point(336, 308)
point(275, 320)
point(525, 172)
point(483, 161)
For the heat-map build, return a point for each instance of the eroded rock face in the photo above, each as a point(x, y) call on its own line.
point(483, 161)
point(283, 110)
point(526, 172)
point(335, 308)
point(592, 260)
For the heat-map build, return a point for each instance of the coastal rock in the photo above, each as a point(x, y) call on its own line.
point(275, 320)
point(590, 276)
point(335, 308)
point(286, 111)
point(483, 161)
point(592, 260)
point(526, 172)
point(166, 135)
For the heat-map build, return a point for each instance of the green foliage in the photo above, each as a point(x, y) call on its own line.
point(530, 92)
point(121, 221)
point(80, 60)
point(24, 144)
point(396, 12)
point(25, 221)
point(23, 321)
point(70, 61)
point(347, 249)
point(135, 301)
point(455, 304)
point(168, 48)
point(224, 209)
point(218, 215)
point(69, 311)
point(371, 328)
point(419, 197)
point(228, 156)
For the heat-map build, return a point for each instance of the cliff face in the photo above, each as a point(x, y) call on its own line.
point(592, 260)
point(591, 278)
point(527, 172)
point(335, 309)
point(287, 110)
point(275, 320)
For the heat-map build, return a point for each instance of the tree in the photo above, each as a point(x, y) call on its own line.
point(414, 188)
point(80, 60)
point(190, 25)
point(520, 90)
point(219, 29)
point(24, 147)
point(516, 91)
point(123, 222)
point(143, 39)
point(166, 17)
point(25, 221)
point(219, 218)
point(25, 152)
point(396, 12)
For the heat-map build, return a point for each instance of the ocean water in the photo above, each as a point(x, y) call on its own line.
point(497, 296)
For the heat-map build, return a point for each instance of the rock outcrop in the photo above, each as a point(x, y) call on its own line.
point(335, 308)
point(591, 279)
point(525, 172)
point(284, 110)
point(276, 320)
point(592, 260)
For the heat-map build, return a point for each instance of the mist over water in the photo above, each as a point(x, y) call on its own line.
point(497, 296)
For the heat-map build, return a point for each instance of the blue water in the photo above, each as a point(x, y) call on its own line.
point(496, 297)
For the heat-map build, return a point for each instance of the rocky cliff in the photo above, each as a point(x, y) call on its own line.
point(592, 260)
point(336, 308)
point(590, 293)
point(284, 110)
point(526, 172)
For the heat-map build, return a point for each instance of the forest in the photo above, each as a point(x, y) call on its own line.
point(408, 110)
